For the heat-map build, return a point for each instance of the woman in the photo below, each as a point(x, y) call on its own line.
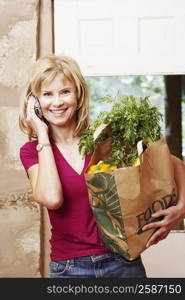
point(55, 170)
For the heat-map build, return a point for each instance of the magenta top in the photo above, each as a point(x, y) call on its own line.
point(74, 231)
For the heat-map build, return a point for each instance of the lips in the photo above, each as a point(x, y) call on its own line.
point(58, 112)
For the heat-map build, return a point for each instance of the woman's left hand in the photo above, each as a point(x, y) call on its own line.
point(171, 216)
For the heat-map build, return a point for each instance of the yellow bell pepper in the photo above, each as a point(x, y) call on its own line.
point(104, 167)
point(136, 162)
point(113, 168)
point(101, 167)
point(92, 168)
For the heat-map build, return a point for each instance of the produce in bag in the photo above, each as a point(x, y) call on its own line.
point(124, 199)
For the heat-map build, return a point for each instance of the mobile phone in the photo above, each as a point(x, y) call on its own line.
point(37, 109)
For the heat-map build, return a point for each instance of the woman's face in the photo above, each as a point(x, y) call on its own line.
point(58, 101)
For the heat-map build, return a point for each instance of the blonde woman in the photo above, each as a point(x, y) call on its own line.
point(55, 169)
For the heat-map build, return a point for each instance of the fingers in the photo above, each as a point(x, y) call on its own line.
point(32, 104)
point(159, 213)
point(30, 108)
point(157, 236)
point(170, 218)
point(162, 227)
point(163, 215)
point(154, 238)
point(33, 120)
point(155, 225)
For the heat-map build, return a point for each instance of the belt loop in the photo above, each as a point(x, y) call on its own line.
point(72, 262)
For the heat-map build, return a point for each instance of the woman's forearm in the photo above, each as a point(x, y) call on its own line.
point(179, 174)
point(48, 188)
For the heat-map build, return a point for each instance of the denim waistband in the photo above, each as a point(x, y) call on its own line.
point(94, 257)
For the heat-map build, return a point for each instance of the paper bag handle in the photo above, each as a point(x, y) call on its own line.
point(99, 130)
point(140, 147)
point(140, 150)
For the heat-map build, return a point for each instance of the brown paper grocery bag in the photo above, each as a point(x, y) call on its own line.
point(123, 200)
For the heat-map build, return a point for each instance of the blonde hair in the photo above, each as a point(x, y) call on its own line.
point(44, 71)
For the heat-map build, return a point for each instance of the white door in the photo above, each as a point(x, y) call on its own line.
point(122, 37)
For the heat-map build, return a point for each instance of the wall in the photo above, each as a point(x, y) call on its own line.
point(23, 250)
point(19, 215)
point(166, 259)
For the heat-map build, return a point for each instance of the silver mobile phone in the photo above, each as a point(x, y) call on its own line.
point(37, 109)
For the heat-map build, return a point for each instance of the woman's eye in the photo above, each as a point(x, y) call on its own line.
point(66, 92)
point(47, 94)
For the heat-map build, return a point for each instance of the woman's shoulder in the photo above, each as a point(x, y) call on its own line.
point(28, 154)
point(29, 146)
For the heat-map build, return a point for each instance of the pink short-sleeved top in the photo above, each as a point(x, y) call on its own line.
point(74, 232)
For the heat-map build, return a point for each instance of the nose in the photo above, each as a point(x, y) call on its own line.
point(57, 100)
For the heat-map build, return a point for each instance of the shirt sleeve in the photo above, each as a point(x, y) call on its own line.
point(29, 155)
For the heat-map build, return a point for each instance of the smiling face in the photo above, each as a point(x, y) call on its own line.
point(58, 101)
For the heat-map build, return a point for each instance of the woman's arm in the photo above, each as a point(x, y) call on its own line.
point(179, 174)
point(174, 214)
point(44, 177)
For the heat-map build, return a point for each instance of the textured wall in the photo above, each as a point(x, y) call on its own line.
point(19, 215)
point(18, 25)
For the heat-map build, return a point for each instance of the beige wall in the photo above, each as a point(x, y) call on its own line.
point(19, 215)
point(24, 226)
point(167, 258)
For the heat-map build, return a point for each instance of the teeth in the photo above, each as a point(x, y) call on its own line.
point(58, 111)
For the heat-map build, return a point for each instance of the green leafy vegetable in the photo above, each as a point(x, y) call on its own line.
point(131, 119)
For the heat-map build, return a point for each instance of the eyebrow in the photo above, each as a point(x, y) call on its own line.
point(66, 88)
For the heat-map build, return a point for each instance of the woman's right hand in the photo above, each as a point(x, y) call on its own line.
point(38, 125)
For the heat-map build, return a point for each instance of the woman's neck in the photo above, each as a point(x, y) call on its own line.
point(63, 136)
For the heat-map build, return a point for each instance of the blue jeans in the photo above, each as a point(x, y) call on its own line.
point(99, 265)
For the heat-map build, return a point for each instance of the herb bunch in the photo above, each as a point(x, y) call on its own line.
point(131, 119)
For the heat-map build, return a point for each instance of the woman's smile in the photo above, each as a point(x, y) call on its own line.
point(58, 112)
point(58, 101)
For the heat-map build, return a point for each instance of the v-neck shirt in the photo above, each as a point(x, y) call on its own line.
point(65, 160)
point(74, 231)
